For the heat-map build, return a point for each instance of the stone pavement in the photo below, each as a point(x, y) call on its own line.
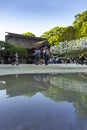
point(8, 69)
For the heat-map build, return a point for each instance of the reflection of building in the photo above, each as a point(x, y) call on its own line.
point(27, 85)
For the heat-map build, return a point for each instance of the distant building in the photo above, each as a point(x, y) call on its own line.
point(28, 42)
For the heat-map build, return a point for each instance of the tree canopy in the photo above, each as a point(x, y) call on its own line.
point(11, 49)
point(28, 34)
point(80, 25)
point(61, 34)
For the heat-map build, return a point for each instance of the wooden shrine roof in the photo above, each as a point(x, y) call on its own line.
point(29, 42)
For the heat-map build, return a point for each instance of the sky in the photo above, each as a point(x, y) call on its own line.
point(37, 16)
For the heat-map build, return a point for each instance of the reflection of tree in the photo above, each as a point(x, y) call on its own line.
point(63, 87)
point(2, 86)
point(83, 75)
point(66, 88)
point(79, 100)
point(81, 105)
point(70, 82)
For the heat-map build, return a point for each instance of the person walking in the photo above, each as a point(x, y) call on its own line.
point(15, 59)
point(46, 55)
point(37, 56)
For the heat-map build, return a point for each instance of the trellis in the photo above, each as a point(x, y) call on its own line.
point(70, 46)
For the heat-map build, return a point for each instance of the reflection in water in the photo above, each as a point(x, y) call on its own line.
point(25, 84)
point(70, 83)
point(2, 83)
point(43, 102)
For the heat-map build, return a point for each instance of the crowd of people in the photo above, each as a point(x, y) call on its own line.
point(47, 58)
point(44, 58)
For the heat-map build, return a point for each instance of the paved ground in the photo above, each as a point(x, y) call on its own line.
point(31, 69)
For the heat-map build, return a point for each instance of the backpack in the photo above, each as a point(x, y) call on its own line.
point(46, 53)
point(37, 53)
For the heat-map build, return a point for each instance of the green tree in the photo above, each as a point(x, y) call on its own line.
point(53, 36)
point(11, 49)
point(28, 34)
point(69, 33)
point(59, 34)
point(80, 25)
